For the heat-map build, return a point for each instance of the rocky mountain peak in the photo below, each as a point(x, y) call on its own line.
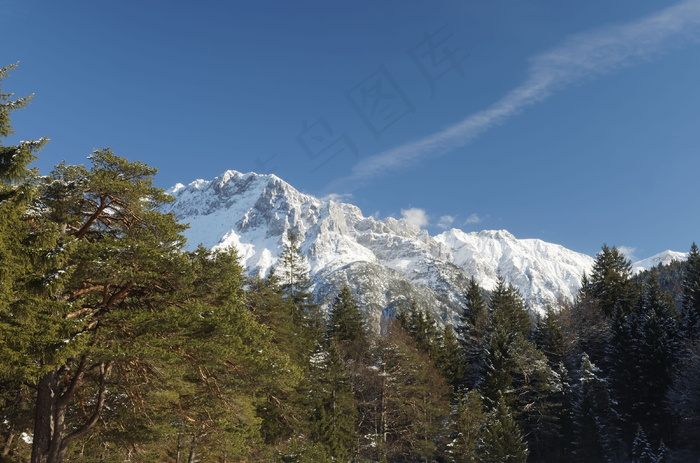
point(385, 262)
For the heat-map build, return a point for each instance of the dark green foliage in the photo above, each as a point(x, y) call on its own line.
point(124, 338)
point(307, 326)
point(346, 324)
point(670, 278)
point(333, 414)
point(611, 285)
point(475, 314)
point(449, 359)
point(415, 400)
point(474, 335)
point(294, 279)
point(597, 437)
point(18, 190)
point(658, 349)
point(510, 324)
point(683, 401)
point(444, 350)
point(691, 294)
point(508, 309)
point(643, 355)
point(421, 328)
point(520, 374)
point(500, 365)
point(402, 399)
point(549, 337)
point(586, 327)
point(503, 441)
point(469, 423)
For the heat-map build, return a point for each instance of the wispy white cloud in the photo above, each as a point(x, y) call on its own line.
point(338, 198)
point(582, 56)
point(446, 221)
point(628, 252)
point(415, 216)
point(473, 218)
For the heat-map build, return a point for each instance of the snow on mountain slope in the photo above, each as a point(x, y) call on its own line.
point(384, 261)
point(543, 272)
point(664, 258)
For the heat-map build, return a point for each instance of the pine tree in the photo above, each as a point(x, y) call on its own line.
point(691, 294)
point(292, 269)
point(683, 400)
point(508, 309)
point(18, 189)
point(641, 450)
point(662, 453)
point(520, 374)
point(346, 325)
point(500, 365)
point(611, 284)
point(642, 357)
point(413, 400)
point(282, 413)
point(503, 441)
point(333, 412)
point(475, 313)
point(421, 328)
point(228, 362)
point(587, 326)
point(510, 326)
point(450, 359)
point(549, 337)
point(94, 319)
point(595, 420)
point(469, 423)
point(474, 335)
point(295, 284)
point(658, 349)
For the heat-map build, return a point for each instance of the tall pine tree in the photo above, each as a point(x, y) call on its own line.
point(18, 190)
point(503, 441)
point(691, 294)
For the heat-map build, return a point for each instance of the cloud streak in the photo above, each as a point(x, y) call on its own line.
point(446, 221)
point(582, 56)
point(474, 218)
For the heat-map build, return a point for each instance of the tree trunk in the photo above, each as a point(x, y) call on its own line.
point(50, 441)
point(44, 418)
point(193, 448)
point(8, 445)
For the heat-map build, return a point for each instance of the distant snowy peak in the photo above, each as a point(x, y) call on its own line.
point(542, 271)
point(664, 258)
point(385, 261)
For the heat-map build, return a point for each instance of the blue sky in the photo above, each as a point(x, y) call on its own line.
point(573, 122)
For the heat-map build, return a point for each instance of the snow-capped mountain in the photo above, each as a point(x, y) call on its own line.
point(385, 262)
point(664, 258)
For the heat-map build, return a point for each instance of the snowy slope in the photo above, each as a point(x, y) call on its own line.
point(384, 261)
point(664, 258)
point(543, 272)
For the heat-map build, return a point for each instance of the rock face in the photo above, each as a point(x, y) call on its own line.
point(385, 262)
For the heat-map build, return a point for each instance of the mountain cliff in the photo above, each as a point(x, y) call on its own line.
point(385, 262)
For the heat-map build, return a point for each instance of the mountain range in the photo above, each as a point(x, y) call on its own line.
point(386, 263)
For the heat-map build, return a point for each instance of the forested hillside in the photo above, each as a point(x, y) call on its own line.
point(118, 345)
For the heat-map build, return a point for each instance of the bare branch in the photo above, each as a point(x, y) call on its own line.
point(105, 368)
